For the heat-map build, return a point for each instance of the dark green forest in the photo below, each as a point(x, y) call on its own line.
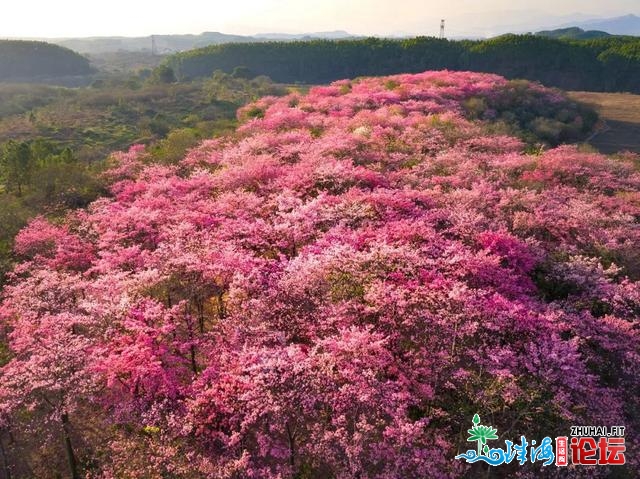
point(602, 64)
point(28, 61)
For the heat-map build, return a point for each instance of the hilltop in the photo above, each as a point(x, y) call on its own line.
point(624, 25)
point(31, 60)
point(573, 33)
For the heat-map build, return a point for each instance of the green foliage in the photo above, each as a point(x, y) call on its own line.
point(16, 99)
point(54, 141)
point(222, 87)
point(242, 72)
point(120, 110)
point(573, 33)
point(475, 107)
point(38, 177)
point(548, 129)
point(16, 165)
point(43, 174)
point(598, 64)
point(173, 147)
point(521, 111)
point(27, 60)
point(164, 74)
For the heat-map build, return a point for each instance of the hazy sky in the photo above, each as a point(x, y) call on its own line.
point(63, 18)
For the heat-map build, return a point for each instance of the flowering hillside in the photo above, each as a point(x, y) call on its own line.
point(332, 292)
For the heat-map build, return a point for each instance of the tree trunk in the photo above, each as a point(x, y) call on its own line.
point(71, 458)
point(292, 450)
point(5, 464)
point(194, 365)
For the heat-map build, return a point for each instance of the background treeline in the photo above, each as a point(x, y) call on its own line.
point(28, 61)
point(603, 64)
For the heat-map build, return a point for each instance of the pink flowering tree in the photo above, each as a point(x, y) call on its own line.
point(334, 291)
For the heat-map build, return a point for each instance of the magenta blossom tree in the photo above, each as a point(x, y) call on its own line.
point(334, 291)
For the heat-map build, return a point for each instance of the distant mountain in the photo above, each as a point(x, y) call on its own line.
point(625, 25)
point(573, 33)
point(39, 61)
point(334, 35)
point(158, 43)
point(493, 23)
point(162, 44)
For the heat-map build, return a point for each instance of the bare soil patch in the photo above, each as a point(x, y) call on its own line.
point(620, 126)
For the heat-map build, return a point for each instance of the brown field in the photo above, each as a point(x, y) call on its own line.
point(620, 115)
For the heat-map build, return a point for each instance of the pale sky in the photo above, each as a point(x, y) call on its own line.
point(76, 18)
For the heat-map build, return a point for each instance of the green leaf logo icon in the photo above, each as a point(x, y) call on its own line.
point(481, 434)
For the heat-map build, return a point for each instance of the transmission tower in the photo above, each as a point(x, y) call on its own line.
point(442, 28)
point(154, 47)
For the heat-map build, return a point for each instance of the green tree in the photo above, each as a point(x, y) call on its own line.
point(164, 74)
point(242, 72)
point(16, 166)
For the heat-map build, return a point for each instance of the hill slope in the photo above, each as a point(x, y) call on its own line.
point(29, 60)
point(331, 292)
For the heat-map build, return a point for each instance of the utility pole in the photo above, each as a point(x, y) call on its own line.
point(153, 45)
point(442, 29)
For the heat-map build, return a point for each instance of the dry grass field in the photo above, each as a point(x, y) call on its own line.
point(620, 115)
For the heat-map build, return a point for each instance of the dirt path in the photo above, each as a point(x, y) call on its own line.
point(620, 113)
